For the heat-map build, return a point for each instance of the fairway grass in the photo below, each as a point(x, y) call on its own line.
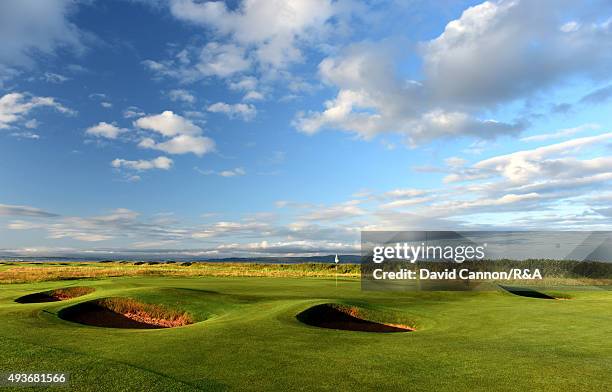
point(250, 338)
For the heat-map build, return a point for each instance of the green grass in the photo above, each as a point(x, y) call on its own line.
point(251, 340)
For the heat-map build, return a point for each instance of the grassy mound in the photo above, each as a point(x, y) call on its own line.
point(118, 312)
point(55, 295)
point(349, 318)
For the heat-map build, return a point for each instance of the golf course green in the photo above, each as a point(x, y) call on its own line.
point(246, 336)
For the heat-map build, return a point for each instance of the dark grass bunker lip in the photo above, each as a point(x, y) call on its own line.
point(526, 292)
point(341, 317)
point(128, 313)
point(55, 295)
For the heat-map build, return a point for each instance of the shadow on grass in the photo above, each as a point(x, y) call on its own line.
point(525, 292)
point(55, 295)
point(333, 316)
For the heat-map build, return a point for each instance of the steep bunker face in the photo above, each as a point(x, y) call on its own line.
point(525, 292)
point(335, 316)
point(55, 295)
point(125, 313)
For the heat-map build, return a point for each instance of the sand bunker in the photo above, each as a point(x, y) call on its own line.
point(335, 316)
point(525, 292)
point(125, 313)
point(55, 295)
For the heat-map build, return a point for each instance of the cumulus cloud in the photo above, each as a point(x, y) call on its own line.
point(222, 60)
point(168, 124)
point(249, 85)
point(105, 130)
point(181, 144)
point(182, 134)
point(272, 28)
point(244, 111)
point(527, 48)
point(14, 106)
point(527, 51)
point(372, 100)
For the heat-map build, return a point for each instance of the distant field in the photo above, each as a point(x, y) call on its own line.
point(555, 271)
point(247, 337)
point(22, 272)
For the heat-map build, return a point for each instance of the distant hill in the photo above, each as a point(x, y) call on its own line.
point(273, 260)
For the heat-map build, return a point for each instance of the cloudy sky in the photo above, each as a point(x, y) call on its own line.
point(285, 127)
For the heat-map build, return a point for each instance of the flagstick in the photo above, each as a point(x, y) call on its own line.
point(336, 275)
point(336, 260)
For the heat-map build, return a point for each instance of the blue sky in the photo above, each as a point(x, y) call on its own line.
point(264, 127)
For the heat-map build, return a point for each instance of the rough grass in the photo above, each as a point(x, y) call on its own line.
point(145, 312)
point(70, 292)
point(39, 272)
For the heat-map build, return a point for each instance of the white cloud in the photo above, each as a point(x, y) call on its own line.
point(162, 163)
point(247, 83)
point(222, 60)
point(233, 172)
point(14, 106)
point(192, 64)
point(105, 130)
point(132, 112)
point(273, 28)
point(253, 96)
point(181, 144)
point(106, 105)
point(527, 46)
point(524, 166)
point(168, 124)
point(245, 111)
point(182, 134)
point(372, 100)
point(181, 95)
point(236, 172)
point(458, 86)
point(26, 135)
